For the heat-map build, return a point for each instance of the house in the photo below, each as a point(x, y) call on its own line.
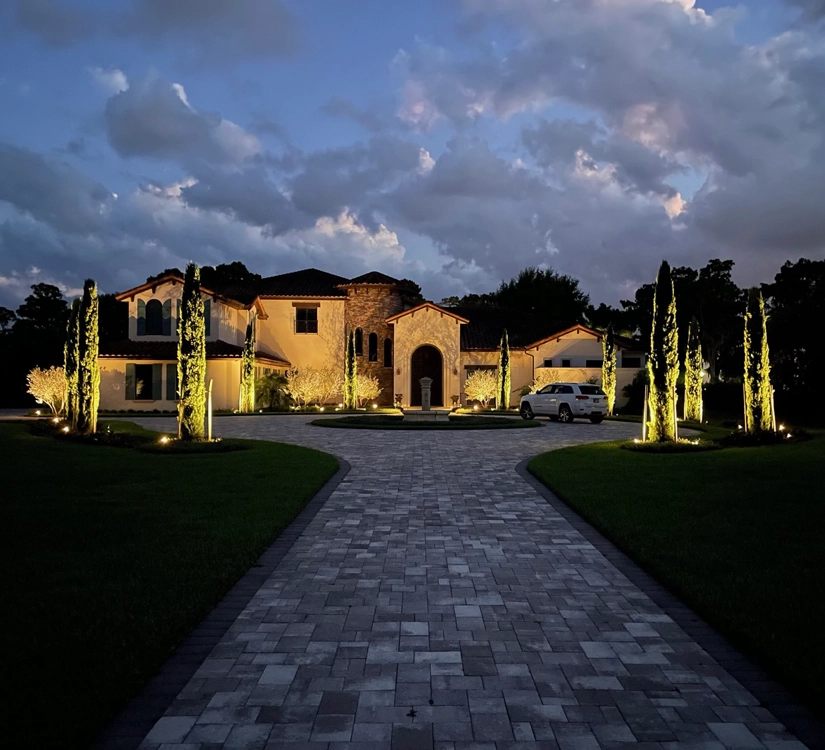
point(302, 319)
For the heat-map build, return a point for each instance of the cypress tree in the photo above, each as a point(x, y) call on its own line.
point(88, 371)
point(192, 357)
point(350, 373)
point(663, 365)
point(503, 385)
point(70, 358)
point(694, 374)
point(609, 368)
point(248, 369)
point(758, 412)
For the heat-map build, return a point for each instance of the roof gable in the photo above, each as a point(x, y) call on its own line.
point(373, 277)
point(426, 306)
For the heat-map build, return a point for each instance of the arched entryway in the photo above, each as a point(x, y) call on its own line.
point(427, 363)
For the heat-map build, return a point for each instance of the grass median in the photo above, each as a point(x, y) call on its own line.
point(113, 555)
point(737, 534)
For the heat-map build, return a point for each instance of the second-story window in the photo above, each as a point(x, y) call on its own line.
point(359, 342)
point(154, 318)
point(306, 320)
point(373, 347)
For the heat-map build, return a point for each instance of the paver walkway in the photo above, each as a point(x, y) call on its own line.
point(438, 601)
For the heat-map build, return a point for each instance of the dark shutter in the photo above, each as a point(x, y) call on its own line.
point(373, 347)
point(359, 342)
point(167, 318)
point(172, 382)
point(141, 318)
point(130, 382)
point(387, 352)
point(207, 315)
point(177, 316)
point(157, 382)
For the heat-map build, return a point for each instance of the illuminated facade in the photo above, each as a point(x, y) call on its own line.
point(302, 319)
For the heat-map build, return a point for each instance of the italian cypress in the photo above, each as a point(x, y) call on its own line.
point(758, 411)
point(503, 385)
point(609, 368)
point(88, 371)
point(694, 373)
point(70, 358)
point(663, 365)
point(192, 358)
point(350, 374)
point(248, 369)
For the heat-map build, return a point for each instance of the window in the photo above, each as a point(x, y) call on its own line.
point(634, 362)
point(593, 362)
point(306, 320)
point(549, 389)
point(548, 363)
point(373, 345)
point(154, 318)
point(144, 382)
point(565, 363)
point(172, 382)
point(387, 352)
point(591, 390)
point(359, 342)
point(565, 389)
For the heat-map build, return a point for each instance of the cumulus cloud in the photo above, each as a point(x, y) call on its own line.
point(110, 80)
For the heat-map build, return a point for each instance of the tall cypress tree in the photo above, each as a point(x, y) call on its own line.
point(609, 367)
point(248, 369)
point(88, 371)
point(70, 360)
point(350, 373)
point(503, 385)
point(663, 364)
point(694, 373)
point(758, 411)
point(192, 358)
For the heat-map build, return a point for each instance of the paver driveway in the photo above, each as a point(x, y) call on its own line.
point(437, 600)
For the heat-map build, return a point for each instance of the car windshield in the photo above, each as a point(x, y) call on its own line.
point(591, 390)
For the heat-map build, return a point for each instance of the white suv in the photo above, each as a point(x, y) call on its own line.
point(566, 401)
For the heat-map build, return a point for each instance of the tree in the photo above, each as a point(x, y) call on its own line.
point(550, 295)
point(7, 318)
point(44, 310)
point(71, 361)
point(114, 319)
point(482, 386)
point(271, 393)
point(247, 400)
point(694, 373)
point(758, 392)
point(350, 373)
point(48, 387)
point(663, 364)
point(546, 376)
point(367, 389)
point(302, 385)
point(330, 385)
point(718, 304)
point(503, 384)
point(225, 275)
point(609, 368)
point(88, 371)
point(192, 358)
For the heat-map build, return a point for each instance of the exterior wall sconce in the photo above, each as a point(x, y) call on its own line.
point(397, 370)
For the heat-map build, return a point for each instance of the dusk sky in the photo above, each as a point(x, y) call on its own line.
point(449, 141)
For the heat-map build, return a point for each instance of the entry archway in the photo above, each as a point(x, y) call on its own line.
point(427, 363)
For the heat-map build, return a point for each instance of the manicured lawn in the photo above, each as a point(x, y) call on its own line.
point(398, 423)
point(111, 556)
point(738, 534)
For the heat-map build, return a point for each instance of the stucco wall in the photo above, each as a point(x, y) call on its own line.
point(427, 327)
point(521, 370)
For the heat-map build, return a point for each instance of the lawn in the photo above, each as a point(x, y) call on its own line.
point(113, 555)
point(737, 534)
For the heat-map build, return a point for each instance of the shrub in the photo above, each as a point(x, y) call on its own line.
point(271, 393)
point(306, 385)
point(545, 376)
point(48, 387)
point(366, 388)
point(481, 386)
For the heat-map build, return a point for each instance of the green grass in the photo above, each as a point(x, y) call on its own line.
point(397, 423)
point(737, 534)
point(113, 555)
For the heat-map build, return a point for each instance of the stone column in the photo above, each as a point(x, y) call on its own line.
point(426, 393)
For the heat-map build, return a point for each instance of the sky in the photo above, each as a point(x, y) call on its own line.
point(453, 142)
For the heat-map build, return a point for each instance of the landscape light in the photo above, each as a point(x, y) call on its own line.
point(375, 406)
point(341, 406)
point(164, 439)
point(66, 429)
point(475, 408)
point(321, 409)
point(782, 428)
point(55, 420)
point(37, 412)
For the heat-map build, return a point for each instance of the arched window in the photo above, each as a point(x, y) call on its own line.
point(387, 352)
point(154, 318)
point(373, 347)
point(359, 342)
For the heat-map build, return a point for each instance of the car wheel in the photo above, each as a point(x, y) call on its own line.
point(527, 412)
point(565, 415)
point(597, 418)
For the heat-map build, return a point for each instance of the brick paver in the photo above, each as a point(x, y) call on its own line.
point(438, 601)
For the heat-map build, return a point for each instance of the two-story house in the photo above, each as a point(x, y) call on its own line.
point(302, 320)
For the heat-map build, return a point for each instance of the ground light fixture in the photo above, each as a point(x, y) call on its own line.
point(56, 420)
point(164, 440)
point(65, 429)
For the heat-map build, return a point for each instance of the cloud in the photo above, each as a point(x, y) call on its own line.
point(110, 80)
point(56, 22)
point(153, 119)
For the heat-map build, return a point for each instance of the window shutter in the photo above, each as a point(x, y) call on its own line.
point(207, 314)
point(141, 318)
point(171, 382)
point(177, 316)
point(157, 382)
point(167, 318)
point(130, 382)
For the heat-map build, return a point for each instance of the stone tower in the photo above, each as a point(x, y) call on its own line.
point(371, 299)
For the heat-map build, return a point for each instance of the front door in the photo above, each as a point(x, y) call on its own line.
point(427, 363)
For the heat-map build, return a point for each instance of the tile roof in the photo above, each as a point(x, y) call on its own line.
point(487, 323)
point(307, 283)
point(168, 350)
point(373, 277)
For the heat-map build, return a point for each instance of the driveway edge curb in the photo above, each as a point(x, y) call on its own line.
point(771, 695)
point(129, 728)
